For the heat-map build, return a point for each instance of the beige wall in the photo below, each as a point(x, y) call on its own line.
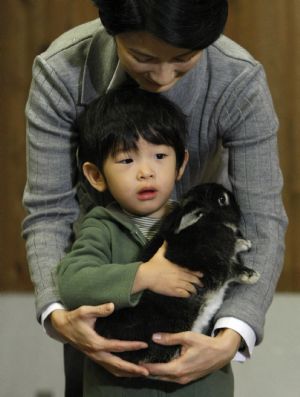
point(268, 29)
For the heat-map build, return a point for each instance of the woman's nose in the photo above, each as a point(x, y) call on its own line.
point(163, 74)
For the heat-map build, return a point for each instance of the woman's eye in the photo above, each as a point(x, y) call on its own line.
point(142, 59)
point(181, 60)
point(186, 59)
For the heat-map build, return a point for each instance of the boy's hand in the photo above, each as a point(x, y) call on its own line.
point(164, 277)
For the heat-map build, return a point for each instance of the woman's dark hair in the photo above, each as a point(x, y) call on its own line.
point(192, 24)
point(116, 120)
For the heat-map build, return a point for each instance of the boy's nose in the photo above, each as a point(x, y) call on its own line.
point(145, 172)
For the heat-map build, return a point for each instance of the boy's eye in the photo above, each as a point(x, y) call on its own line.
point(125, 161)
point(161, 156)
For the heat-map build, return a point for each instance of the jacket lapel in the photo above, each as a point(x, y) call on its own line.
point(100, 66)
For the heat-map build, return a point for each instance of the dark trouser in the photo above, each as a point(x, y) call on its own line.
point(73, 365)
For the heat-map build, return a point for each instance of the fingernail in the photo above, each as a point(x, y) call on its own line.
point(109, 307)
point(156, 336)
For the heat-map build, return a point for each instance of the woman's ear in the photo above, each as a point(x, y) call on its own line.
point(94, 176)
point(182, 168)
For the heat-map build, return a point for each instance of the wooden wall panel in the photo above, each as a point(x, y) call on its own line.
point(27, 27)
point(269, 29)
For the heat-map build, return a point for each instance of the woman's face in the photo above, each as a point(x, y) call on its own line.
point(154, 64)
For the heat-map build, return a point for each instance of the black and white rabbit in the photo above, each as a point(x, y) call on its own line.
point(202, 234)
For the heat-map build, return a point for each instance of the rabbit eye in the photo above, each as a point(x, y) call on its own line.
point(223, 200)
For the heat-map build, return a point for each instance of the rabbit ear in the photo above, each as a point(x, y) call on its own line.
point(189, 219)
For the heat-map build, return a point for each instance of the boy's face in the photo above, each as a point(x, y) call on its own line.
point(141, 180)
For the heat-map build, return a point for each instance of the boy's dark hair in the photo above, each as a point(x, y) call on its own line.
point(116, 120)
point(187, 24)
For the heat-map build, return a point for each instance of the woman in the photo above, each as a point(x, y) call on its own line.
point(168, 47)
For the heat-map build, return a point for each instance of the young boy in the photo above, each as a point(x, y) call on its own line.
point(133, 146)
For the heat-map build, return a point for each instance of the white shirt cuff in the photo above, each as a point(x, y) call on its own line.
point(244, 330)
point(46, 323)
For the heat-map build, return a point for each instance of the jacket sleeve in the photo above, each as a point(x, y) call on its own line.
point(50, 193)
point(249, 126)
point(88, 274)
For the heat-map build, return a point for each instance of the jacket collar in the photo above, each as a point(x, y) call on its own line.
point(113, 211)
point(100, 66)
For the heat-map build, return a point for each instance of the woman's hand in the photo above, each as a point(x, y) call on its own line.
point(77, 328)
point(164, 277)
point(200, 355)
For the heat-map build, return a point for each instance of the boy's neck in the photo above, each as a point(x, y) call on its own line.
point(148, 225)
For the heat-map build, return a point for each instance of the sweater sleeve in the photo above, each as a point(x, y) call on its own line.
point(249, 126)
point(50, 193)
point(88, 275)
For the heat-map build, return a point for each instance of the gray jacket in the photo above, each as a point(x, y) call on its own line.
point(229, 110)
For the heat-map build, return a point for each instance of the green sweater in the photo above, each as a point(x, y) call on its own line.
point(103, 262)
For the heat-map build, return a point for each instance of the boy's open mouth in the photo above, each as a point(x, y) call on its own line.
point(147, 194)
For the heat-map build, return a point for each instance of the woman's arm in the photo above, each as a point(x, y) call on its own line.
point(249, 126)
point(50, 193)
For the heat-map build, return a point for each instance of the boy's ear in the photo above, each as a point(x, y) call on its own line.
point(182, 168)
point(94, 176)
